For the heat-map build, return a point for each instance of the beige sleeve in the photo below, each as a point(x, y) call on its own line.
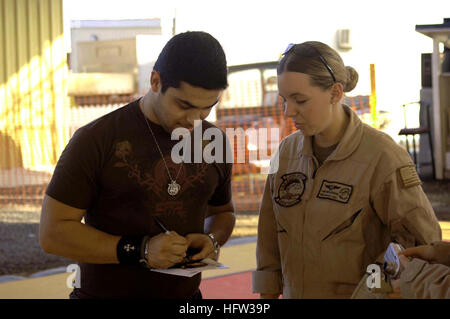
point(406, 211)
point(421, 280)
point(267, 278)
point(440, 253)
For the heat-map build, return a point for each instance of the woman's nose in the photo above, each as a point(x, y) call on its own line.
point(289, 109)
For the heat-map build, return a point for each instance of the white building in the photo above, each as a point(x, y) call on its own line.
point(125, 49)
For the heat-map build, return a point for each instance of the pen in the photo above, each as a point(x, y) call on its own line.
point(160, 224)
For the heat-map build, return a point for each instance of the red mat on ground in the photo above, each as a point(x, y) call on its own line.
point(236, 286)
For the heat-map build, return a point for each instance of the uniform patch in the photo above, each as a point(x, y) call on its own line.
point(291, 189)
point(409, 177)
point(335, 191)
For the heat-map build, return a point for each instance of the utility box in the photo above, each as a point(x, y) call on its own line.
point(344, 39)
point(118, 53)
point(113, 56)
point(102, 31)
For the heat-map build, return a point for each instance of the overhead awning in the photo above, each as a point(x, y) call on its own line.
point(440, 32)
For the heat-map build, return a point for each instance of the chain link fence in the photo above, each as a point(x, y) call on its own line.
point(250, 112)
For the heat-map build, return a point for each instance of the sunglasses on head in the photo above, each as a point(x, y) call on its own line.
point(292, 47)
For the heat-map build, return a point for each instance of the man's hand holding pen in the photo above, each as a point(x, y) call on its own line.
point(166, 250)
point(169, 248)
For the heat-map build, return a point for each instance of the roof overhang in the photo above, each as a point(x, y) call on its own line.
point(440, 32)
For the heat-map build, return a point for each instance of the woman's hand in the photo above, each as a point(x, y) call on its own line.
point(425, 252)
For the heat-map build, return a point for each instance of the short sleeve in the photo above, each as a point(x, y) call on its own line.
point(222, 193)
point(74, 180)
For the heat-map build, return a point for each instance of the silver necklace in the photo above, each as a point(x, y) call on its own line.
point(173, 187)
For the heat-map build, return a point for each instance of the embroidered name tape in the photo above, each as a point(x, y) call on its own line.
point(409, 177)
point(335, 191)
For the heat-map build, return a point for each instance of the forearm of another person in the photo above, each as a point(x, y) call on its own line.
point(62, 233)
point(422, 280)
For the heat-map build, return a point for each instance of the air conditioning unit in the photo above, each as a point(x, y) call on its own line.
point(343, 39)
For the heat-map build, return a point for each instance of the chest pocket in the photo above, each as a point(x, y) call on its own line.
point(287, 194)
point(346, 224)
point(289, 189)
point(331, 219)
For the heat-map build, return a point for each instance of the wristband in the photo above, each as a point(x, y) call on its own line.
point(129, 250)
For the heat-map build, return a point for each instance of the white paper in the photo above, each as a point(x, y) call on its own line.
point(189, 272)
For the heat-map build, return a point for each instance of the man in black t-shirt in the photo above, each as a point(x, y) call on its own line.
point(119, 173)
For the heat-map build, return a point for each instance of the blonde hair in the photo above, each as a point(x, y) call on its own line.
point(304, 58)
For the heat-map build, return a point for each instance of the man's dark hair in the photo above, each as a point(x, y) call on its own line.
point(193, 57)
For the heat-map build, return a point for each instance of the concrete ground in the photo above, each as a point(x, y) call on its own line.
point(238, 254)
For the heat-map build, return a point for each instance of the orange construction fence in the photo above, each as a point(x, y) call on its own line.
point(25, 186)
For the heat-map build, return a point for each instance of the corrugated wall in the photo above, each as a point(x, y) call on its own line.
point(32, 83)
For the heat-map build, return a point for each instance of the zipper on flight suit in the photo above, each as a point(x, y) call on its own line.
point(316, 167)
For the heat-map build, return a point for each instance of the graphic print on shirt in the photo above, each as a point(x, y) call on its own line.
point(155, 179)
point(335, 191)
point(291, 189)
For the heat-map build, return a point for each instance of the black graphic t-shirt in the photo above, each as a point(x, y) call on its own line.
point(112, 168)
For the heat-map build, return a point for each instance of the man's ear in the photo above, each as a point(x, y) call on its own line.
point(155, 81)
point(337, 92)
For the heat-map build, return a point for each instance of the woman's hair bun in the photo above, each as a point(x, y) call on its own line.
point(352, 79)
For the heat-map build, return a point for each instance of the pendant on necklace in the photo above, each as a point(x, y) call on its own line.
point(173, 188)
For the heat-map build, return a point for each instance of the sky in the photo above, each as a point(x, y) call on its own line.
point(383, 31)
point(260, 30)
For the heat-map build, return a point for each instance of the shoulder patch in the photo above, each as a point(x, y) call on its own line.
point(409, 177)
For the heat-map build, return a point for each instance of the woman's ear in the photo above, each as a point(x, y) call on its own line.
point(337, 92)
